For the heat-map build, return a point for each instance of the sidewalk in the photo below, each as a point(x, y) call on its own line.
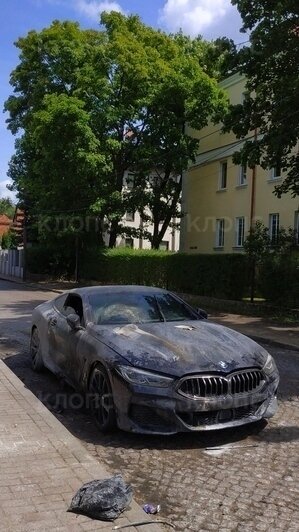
point(42, 466)
point(261, 330)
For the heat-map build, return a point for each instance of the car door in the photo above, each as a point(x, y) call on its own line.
point(63, 340)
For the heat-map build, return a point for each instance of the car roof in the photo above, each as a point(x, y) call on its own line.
point(118, 289)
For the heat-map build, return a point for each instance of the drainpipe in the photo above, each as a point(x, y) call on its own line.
point(253, 189)
point(252, 213)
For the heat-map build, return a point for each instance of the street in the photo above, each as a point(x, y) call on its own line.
point(235, 480)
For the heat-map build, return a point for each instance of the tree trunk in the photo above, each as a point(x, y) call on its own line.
point(252, 281)
point(158, 237)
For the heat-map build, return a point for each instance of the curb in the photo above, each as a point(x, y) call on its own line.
point(34, 286)
point(273, 343)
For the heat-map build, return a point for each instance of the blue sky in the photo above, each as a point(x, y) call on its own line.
point(211, 18)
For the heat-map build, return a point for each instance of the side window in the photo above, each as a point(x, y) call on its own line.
point(73, 305)
point(59, 302)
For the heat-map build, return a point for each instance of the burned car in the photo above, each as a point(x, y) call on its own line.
point(151, 363)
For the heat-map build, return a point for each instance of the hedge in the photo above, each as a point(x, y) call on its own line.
point(222, 276)
point(279, 280)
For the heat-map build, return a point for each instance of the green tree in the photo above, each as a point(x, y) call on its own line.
point(9, 240)
point(93, 105)
point(260, 250)
point(257, 246)
point(271, 108)
point(156, 86)
point(7, 207)
point(58, 168)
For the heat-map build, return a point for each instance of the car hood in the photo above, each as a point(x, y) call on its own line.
point(178, 348)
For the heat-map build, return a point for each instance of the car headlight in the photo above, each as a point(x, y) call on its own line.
point(144, 378)
point(270, 366)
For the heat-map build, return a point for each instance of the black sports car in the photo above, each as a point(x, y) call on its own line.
point(150, 363)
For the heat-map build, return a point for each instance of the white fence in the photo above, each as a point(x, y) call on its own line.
point(11, 262)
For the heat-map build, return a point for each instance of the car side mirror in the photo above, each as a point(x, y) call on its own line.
point(202, 313)
point(74, 321)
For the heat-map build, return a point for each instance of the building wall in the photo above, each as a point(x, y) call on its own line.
point(171, 239)
point(203, 202)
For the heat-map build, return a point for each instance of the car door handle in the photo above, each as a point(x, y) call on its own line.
point(53, 322)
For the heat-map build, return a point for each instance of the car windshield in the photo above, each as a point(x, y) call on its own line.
point(125, 308)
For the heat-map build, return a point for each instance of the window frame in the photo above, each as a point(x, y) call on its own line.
point(220, 230)
point(223, 176)
point(274, 238)
point(242, 175)
point(166, 244)
point(132, 242)
point(237, 232)
point(130, 216)
point(273, 175)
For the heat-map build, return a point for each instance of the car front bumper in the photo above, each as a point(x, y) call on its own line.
point(149, 410)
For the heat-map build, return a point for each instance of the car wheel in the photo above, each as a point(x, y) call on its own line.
point(101, 399)
point(35, 351)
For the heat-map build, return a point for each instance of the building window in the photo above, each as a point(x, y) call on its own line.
point(244, 96)
point(164, 245)
point(129, 243)
point(275, 172)
point(130, 216)
point(274, 228)
point(223, 175)
point(242, 178)
point(240, 231)
point(129, 181)
point(220, 233)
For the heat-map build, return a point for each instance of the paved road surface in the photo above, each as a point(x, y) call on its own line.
point(250, 482)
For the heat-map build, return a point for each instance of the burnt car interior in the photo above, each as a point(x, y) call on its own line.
point(73, 305)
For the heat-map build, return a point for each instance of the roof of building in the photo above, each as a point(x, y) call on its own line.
point(5, 224)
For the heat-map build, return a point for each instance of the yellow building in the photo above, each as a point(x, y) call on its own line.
point(221, 200)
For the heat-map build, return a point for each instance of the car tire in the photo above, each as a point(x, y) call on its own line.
point(101, 399)
point(37, 362)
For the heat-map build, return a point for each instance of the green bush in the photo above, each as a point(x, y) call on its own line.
point(125, 266)
point(9, 240)
point(54, 261)
point(279, 279)
point(222, 276)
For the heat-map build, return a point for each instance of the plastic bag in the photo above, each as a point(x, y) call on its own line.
point(102, 499)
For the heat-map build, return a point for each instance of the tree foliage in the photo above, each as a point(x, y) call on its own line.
point(271, 108)
point(9, 240)
point(94, 105)
point(7, 207)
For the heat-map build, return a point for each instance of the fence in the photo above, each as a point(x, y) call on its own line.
point(11, 262)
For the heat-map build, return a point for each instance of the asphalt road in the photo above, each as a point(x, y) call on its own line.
point(233, 480)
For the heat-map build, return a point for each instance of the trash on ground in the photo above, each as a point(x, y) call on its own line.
point(152, 508)
point(142, 523)
point(102, 499)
